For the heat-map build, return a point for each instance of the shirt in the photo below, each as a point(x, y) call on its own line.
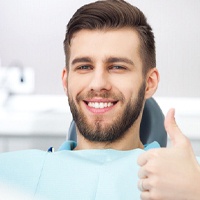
point(74, 175)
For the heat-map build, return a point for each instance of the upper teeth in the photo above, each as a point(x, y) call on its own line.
point(99, 105)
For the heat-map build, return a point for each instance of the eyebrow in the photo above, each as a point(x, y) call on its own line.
point(119, 59)
point(107, 60)
point(81, 59)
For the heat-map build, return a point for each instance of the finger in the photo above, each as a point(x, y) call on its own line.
point(143, 185)
point(145, 195)
point(147, 155)
point(172, 129)
point(142, 173)
point(142, 159)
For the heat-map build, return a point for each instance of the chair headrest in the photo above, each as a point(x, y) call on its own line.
point(152, 124)
point(151, 128)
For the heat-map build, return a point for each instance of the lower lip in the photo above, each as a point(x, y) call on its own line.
point(99, 110)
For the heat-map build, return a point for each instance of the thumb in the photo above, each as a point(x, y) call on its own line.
point(176, 136)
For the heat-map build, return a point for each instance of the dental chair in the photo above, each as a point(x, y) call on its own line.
point(151, 128)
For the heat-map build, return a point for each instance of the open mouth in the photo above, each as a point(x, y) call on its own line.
point(100, 105)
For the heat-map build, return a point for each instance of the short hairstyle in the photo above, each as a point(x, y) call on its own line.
point(113, 14)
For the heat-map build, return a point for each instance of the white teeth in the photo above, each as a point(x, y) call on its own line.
point(99, 105)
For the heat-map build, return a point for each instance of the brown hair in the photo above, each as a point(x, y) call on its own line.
point(113, 14)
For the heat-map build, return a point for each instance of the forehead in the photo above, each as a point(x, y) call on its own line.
point(122, 42)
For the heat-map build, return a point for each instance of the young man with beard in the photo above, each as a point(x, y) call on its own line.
point(110, 72)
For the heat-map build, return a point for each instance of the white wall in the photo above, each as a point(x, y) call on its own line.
point(32, 32)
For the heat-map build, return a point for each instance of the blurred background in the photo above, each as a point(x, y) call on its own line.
point(34, 111)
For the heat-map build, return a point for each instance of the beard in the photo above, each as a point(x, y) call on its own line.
point(97, 132)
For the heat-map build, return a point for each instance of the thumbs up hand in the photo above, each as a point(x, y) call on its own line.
point(170, 173)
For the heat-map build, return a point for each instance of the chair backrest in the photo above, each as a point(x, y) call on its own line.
point(151, 128)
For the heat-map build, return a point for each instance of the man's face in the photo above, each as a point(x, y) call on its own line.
point(105, 83)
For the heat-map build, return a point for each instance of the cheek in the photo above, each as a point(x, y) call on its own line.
point(124, 84)
point(75, 85)
point(128, 86)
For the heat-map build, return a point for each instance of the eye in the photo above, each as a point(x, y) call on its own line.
point(117, 67)
point(83, 68)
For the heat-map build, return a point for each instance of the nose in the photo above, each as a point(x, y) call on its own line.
point(100, 81)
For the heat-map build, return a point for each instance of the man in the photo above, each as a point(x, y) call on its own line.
point(110, 72)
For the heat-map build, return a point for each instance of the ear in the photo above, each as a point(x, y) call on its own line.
point(64, 79)
point(152, 80)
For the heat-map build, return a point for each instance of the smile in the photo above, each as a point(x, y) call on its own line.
point(100, 104)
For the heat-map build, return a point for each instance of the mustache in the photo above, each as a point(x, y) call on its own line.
point(101, 94)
